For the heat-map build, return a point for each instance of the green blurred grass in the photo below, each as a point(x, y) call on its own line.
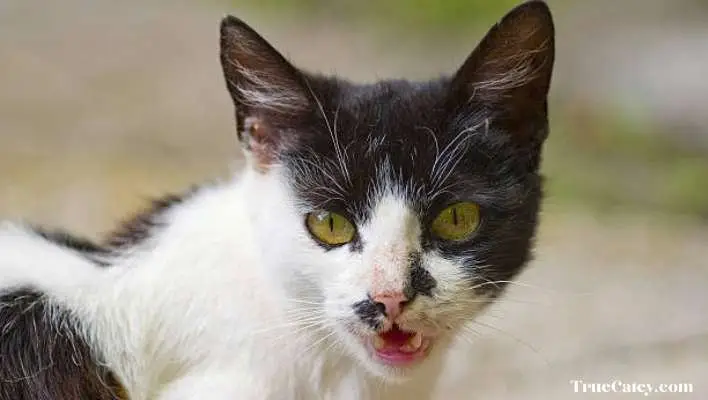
point(419, 16)
point(606, 159)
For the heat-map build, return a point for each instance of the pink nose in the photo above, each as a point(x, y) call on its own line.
point(392, 303)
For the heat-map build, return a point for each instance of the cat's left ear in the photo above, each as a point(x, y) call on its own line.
point(509, 73)
point(267, 90)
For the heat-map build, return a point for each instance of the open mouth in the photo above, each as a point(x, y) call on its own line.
point(397, 347)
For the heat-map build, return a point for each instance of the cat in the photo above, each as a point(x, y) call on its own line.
point(368, 225)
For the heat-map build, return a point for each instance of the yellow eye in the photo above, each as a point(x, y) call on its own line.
point(456, 222)
point(330, 228)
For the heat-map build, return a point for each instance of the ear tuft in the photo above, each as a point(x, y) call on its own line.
point(513, 64)
point(258, 77)
point(268, 92)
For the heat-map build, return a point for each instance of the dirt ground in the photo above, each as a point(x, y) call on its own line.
point(103, 104)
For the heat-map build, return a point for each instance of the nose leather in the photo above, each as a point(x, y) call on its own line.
point(392, 303)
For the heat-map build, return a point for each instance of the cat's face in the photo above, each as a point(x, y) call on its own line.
point(395, 212)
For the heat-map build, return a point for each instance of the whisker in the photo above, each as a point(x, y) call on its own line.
point(305, 324)
point(314, 344)
point(315, 327)
point(332, 132)
point(317, 303)
point(503, 299)
point(474, 332)
point(528, 286)
point(516, 339)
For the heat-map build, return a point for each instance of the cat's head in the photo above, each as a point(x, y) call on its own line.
point(394, 212)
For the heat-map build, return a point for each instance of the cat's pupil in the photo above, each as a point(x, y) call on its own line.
point(331, 224)
point(454, 216)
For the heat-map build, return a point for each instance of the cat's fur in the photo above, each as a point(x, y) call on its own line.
point(223, 293)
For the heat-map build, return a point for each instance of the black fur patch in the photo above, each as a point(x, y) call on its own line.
point(405, 126)
point(43, 357)
point(83, 246)
point(421, 281)
point(142, 226)
point(369, 313)
point(65, 239)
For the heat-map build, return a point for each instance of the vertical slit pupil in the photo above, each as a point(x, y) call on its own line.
point(454, 215)
point(331, 224)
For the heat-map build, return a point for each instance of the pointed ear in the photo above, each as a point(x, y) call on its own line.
point(265, 87)
point(510, 70)
point(257, 75)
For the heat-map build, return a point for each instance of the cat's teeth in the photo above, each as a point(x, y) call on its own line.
point(379, 343)
point(413, 343)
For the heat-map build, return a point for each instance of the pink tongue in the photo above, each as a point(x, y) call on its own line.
point(395, 338)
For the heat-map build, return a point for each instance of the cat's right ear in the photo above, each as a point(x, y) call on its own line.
point(266, 89)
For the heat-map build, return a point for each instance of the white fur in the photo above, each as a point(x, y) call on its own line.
point(27, 257)
point(233, 300)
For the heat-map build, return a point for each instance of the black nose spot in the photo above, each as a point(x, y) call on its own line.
point(369, 312)
point(421, 282)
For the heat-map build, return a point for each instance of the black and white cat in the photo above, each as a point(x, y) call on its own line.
point(370, 223)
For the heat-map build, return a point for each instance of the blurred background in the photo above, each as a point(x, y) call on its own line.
point(104, 104)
